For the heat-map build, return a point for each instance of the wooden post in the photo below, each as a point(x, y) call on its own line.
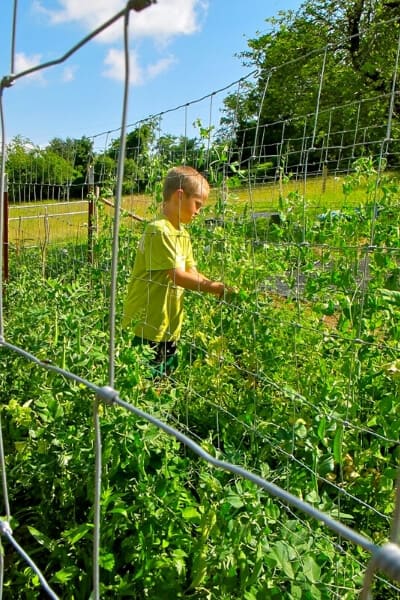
point(281, 182)
point(324, 177)
point(5, 230)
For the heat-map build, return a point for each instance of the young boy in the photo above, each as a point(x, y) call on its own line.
point(164, 266)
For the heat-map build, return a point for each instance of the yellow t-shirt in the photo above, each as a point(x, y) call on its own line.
point(154, 304)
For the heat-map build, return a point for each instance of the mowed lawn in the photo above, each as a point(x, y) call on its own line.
point(43, 223)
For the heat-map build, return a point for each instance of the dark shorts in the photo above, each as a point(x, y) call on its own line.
point(165, 358)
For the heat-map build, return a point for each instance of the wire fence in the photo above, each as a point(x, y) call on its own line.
point(285, 268)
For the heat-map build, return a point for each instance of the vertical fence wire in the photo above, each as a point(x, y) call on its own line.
point(97, 501)
point(2, 224)
point(4, 270)
point(112, 305)
point(321, 81)
point(118, 202)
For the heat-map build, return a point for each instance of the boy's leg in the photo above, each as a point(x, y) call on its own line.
point(166, 359)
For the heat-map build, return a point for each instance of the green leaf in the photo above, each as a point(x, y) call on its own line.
point(321, 429)
point(315, 593)
point(65, 575)
point(280, 552)
point(311, 570)
point(337, 444)
point(392, 296)
point(77, 533)
point(234, 501)
point(179, 560)
point(119, 511)
point(191, 514)
point(107, 561)
point(296, 592)
point(41, 538)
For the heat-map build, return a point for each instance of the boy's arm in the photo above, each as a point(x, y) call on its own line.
point(193, 280)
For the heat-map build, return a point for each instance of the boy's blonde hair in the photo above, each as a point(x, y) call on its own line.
point(187, 179)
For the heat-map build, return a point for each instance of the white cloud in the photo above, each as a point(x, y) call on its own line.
point(159, 22)
point(166, 18)
point(169, 18)
point(23, 62)
point(115, 67)
point(68, 74)
point(90, 13)
point(161, 66)
point(115, 62)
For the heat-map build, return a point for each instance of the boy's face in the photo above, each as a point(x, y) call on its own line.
point(190, 206)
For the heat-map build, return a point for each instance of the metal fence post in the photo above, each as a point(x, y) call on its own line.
point(91, 213)
point(5, 229)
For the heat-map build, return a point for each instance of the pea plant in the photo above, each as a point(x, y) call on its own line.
point(296, 377)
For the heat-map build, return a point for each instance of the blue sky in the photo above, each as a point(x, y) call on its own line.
point(181, 50)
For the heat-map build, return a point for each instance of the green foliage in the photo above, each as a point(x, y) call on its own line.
point(322, 56)
point(53, 171)
point(296, 376)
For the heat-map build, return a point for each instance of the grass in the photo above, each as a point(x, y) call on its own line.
point(318, 194)
point(53, 222)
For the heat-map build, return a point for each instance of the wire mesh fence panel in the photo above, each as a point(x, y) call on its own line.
point(265, 464)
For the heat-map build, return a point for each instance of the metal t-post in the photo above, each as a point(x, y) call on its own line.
point(91, 213)
point(5, 229)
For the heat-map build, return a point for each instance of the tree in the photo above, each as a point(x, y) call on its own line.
point(328, 54)
point(177, 150)
point(138, 142)
point(35, 173)
point(105, 173)
point(78, 152)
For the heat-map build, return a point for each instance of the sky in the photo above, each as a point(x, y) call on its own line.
point(180, 51)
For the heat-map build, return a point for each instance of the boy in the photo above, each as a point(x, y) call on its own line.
point(164, 266)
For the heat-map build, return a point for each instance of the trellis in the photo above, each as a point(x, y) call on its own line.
point(302, 164)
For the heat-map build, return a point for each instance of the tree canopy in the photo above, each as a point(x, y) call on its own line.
point(327, 54)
